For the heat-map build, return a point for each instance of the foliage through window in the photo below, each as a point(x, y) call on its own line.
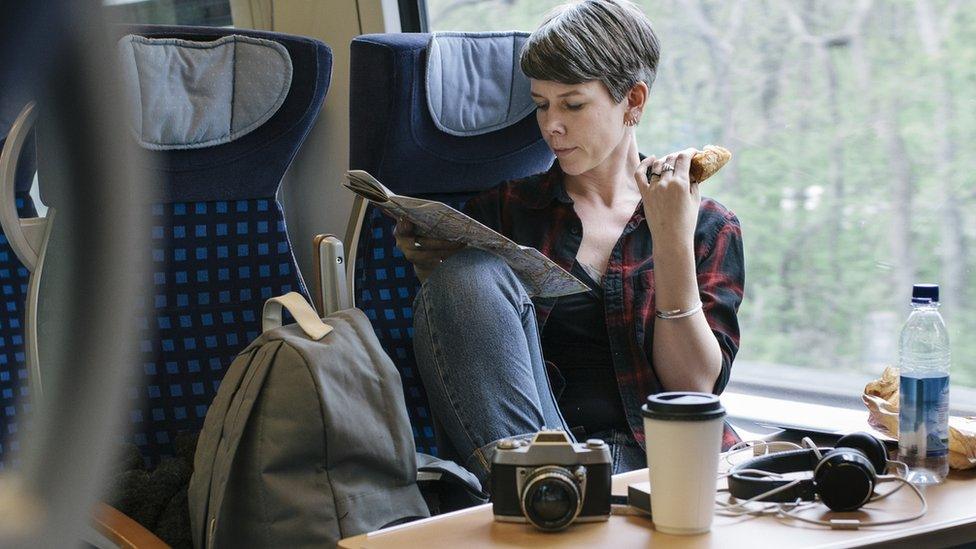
point(210, 13)
point(850, 124)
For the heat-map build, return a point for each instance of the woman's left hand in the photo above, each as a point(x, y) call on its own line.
point(671, 200)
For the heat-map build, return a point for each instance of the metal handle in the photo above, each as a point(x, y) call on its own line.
point(24, 235)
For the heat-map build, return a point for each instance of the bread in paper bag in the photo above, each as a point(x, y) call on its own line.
point(881, 398)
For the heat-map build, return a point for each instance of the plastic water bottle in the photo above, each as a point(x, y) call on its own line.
point(923, 419)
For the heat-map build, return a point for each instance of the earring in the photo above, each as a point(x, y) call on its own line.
point(632, 120)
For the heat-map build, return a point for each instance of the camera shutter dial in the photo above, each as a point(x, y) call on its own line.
point(507, 444)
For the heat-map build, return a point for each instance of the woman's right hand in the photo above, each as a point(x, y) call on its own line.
point(423, 252)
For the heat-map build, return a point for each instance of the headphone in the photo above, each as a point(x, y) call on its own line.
point(844, 477)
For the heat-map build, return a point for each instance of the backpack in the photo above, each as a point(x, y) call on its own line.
point(307, 440)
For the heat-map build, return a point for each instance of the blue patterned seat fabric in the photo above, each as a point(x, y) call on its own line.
point(219, 250)
point(214, 265)
point(385, 288)
point(14, 390)
point(393, 137)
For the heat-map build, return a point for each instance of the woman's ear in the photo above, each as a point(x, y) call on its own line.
point(637, 97)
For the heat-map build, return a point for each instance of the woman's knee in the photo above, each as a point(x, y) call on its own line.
point(467, 262)
point(471, 272)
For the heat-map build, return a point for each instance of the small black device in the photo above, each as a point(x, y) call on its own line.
point(551, 481)
point(844, 477)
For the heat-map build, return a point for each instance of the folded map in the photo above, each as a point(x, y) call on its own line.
point(541, 276)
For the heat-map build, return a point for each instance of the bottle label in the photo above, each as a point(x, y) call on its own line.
point(923, 422)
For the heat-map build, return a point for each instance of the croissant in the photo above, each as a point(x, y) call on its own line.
point(707, 161)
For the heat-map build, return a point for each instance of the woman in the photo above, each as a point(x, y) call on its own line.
point(652, 322)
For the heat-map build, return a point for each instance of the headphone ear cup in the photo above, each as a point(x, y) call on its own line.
point(869, 445)
point(844, 479)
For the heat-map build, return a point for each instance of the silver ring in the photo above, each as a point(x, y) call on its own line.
point(666, 167)
point(416, 244)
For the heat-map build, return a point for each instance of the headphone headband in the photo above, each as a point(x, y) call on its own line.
point(743, 485)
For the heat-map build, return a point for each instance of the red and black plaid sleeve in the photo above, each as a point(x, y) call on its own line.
point(721, 277)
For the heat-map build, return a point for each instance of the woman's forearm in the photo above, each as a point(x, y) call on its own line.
point(687, 357)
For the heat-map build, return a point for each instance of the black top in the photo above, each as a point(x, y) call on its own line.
point(575, 339)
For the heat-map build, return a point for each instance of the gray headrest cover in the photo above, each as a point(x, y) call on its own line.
point(474, 83)
point(190, 95)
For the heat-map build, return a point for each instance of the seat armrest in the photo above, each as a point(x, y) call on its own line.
point(122, 530)
point(329, 260)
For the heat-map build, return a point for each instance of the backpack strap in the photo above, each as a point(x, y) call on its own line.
point(430, 468)
point(446, 486)
point(304, 314)
point(222, 431)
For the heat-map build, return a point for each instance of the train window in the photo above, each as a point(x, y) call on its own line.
point(849, 123)
point(467, 15)
point(210, 13)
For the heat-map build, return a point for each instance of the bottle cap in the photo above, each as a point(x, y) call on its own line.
point(925, 293)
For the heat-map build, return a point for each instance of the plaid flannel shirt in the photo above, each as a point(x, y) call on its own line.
point(536, 211)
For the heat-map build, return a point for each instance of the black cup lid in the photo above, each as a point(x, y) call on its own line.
point(683, 406)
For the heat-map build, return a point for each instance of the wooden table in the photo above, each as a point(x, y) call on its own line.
point(951, 519)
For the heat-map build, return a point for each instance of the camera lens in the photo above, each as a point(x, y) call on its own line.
point(551, 498)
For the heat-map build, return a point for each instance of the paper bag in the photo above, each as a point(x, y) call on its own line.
point(881, 398)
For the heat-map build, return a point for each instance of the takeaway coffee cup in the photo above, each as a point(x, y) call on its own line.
point(683, 432)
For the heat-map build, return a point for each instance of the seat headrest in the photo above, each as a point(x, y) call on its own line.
point(184, 94)
point(474, 82)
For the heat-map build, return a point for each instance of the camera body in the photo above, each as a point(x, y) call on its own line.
point(551, 482)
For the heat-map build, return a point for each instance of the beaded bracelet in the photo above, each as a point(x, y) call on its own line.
point(678, 313)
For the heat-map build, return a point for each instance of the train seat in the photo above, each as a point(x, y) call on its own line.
point(412, 126)
point(14, 389)
point(219, 115)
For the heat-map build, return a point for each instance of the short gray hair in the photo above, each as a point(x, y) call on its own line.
point(607, 40)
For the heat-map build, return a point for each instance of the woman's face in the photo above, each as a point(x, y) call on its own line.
point(581, 122)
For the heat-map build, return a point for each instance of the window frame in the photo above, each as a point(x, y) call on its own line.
point(963, 398)
point(413, 16)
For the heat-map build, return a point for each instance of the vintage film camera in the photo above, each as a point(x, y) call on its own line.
point(551, 482)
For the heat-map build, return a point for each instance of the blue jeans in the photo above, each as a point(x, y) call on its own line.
point(479, 354)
